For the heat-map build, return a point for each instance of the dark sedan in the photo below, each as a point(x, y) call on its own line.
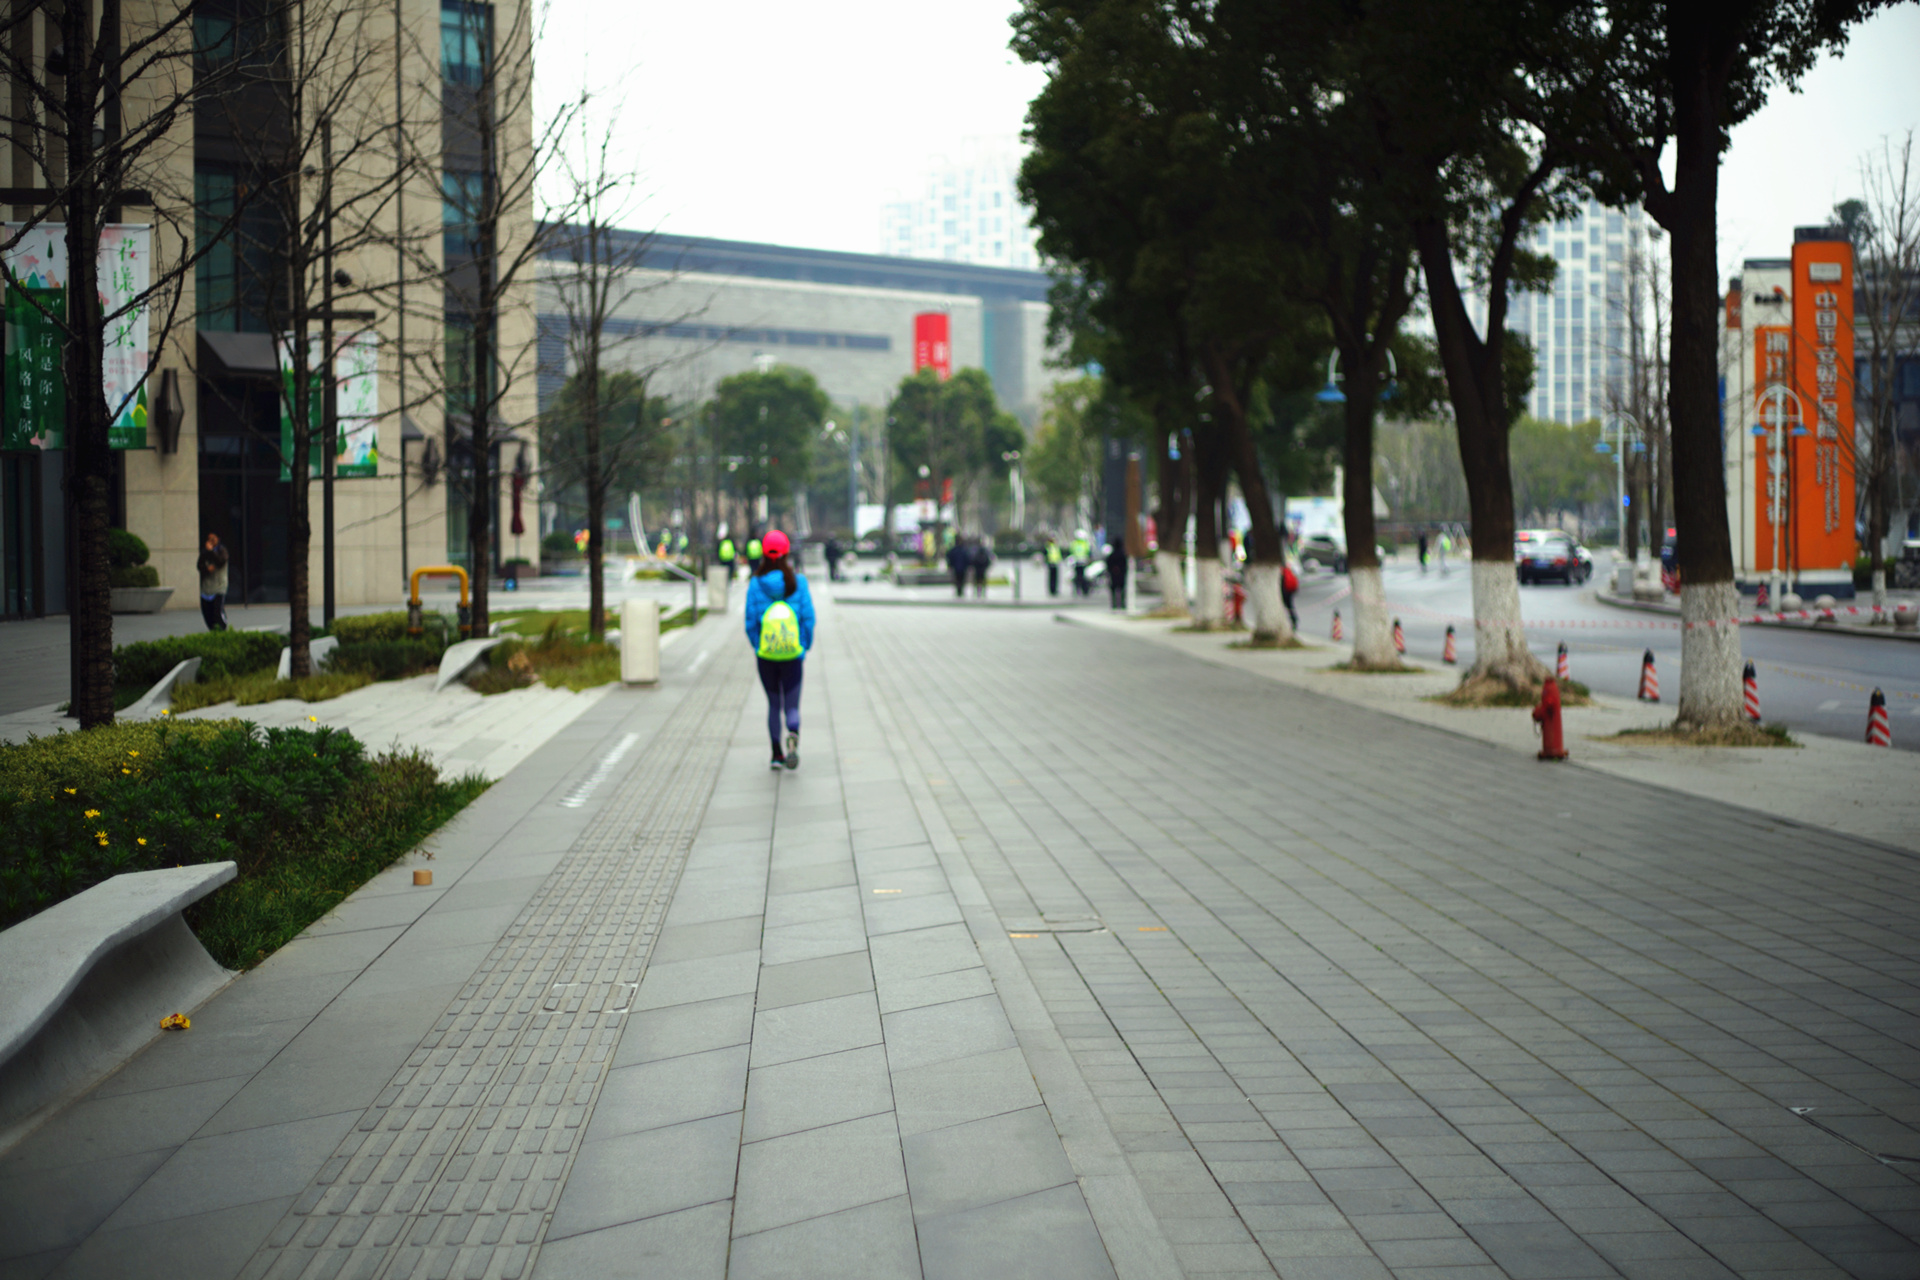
point(1549, 555)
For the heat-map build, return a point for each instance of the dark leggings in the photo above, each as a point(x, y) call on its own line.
point(781, 680)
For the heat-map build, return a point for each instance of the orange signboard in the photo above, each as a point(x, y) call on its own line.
point(1821, 513)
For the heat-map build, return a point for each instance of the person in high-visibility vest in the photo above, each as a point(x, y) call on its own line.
point(780, 629)
point(1082, 559)
point(753, 556)
point(1054, 557)
point(726, 555)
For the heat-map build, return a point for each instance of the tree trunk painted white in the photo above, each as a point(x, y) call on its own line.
point(1173, 582)
point(1710, 667)
point(1372, 629)
point(1209, 593)
point(1266, 605)
point(1499, 642)
point(1880, 594)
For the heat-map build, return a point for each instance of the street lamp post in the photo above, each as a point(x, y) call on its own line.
point(1777, 422)
point(1619, 421)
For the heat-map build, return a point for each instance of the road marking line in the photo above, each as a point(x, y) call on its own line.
point(585, 787)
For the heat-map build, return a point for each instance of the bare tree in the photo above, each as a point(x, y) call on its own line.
point(96, 121)
point(1639, 403)
point(310, 139)
point(497, 160)
point(1885, 229)
point(604, 276)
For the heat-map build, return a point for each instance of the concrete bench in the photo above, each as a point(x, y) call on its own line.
point(84, 984)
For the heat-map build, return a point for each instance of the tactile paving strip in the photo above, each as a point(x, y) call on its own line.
point(455, 1169)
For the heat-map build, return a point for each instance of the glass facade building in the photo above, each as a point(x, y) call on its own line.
point(965, 210)
point(1580, 331)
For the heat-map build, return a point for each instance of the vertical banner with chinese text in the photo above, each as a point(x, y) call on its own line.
point(39, 261)
point(1821, 511)
point(932, 343)
point(356, 370)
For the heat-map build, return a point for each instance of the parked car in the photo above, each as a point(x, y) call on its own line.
point(1541, 555)
point(1324, 550)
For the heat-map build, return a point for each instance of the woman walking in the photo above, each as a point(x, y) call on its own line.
point(780, 629)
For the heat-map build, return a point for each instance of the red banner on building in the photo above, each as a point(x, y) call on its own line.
point(932, 344)
point(1821, 511)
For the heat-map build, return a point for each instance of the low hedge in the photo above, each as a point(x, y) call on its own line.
point(221, 653)
point(304, 813)
point(364, 628)
point(133, 575)
point(386, 659)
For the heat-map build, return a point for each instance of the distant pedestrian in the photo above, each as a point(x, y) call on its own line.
point(959, 561)
point(1446, 545)
point(981, 559)
point(1054, 556)
point(726, 554)
point(833, 559)
point(1082, 561)
point(755, 551)
point(1423, 551)
point(213, 583)
point(780, 629)
point(1117, 574)
point(1289, 583)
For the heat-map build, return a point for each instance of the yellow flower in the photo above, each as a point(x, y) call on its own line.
point(99, 835)
point(72, 791)
point(133, 753)
point(141, 840)
point(165, 712)
point(314, 719)
point(126, 770)
point(93, 813)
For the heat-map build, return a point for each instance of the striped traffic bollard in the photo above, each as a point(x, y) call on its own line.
point(1649, 680)
point(1337, 633)
point(1751, 682)
point(1399, 638)
point(1879, 728)
point(1447, 654)
point(1760, 598)
point(1560, 663)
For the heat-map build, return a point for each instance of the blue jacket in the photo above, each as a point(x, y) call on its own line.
point(769, 587)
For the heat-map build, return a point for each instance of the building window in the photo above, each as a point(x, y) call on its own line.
point(462, 194)
point(466, 41)
point(233, 279)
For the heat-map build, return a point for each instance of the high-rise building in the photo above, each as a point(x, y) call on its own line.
point(1581, 331)
point(965, 209)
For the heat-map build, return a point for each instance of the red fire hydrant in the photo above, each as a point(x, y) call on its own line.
point(1553, 745)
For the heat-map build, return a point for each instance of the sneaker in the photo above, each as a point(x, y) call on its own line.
point(793, 751)
point(778, 762)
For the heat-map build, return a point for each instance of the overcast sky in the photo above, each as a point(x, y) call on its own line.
point(793, 123)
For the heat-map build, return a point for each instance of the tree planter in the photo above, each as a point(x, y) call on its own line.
point(140, 599)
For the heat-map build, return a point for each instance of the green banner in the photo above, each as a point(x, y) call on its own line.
point(316, 414)
point(36, 392)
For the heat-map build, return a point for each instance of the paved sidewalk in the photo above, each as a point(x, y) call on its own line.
point(1060, 955)
point(1828, 783)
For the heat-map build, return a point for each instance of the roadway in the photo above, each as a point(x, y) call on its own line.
point(1811, 682)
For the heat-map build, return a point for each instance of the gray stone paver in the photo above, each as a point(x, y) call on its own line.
point(1572, 1038)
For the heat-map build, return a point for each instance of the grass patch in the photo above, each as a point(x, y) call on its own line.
point(1209, 628)
point(1167, 611)
point(1486, 691)
point(304, 813)
point(1740, 735)
point(559, 660)
point(683, 618)
point(534, 623)
point(1348, 668)
point(262, 686)
point(1291, 642)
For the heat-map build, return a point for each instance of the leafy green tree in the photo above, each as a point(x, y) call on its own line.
point(765, 425)
point(1555, 468)
point(953, 428)
point(1063, 460)
point(1659, 81)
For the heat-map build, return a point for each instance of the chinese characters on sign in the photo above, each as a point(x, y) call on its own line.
point(36, 398)
point(356, 370)
point(932, 344)
point(1821, 520)
point(39, 262)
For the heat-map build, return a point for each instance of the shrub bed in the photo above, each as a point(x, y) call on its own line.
point(560, 660)
point(304, 813)
point(221, 653)
point(386, 659)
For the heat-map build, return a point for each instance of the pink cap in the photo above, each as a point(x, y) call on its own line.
point(775, 543)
